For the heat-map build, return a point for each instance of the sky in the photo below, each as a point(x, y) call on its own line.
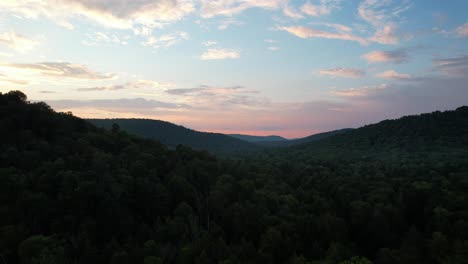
point(262, 67)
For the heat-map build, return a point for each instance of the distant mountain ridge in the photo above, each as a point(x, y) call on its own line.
point(298, 141)
point(255, 139)
point(172, 135)
point(431, 132)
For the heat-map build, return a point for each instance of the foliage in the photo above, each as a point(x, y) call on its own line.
point(74, 193)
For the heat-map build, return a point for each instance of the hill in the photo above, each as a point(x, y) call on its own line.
point(74, 193)
point(436, 133)
point(298, 141)
point(172, 135)
point(256, 139)
point(319, 136)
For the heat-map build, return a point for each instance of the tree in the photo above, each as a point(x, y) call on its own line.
point(16, 96)
point(115, 128)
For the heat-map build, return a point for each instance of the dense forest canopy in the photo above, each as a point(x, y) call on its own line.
point(70, 192)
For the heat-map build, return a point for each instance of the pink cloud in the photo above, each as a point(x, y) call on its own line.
point(395, 56)
point(462, 31)
point(393, 75)
point(304, 32)
point(386, 35)
point(343, 72)
point(360, 92)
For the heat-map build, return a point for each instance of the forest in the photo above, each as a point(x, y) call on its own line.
point(172, 135)
point(70, 192)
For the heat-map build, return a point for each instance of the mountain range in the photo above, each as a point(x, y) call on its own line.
point(172, 135)
point(412, 133)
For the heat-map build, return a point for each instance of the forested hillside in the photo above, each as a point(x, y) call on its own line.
point(172, 135)
point(299, 141)
point(420, 136)
point(74, 193)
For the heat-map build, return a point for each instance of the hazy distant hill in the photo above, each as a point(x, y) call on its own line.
point(172, 135)
point(320, 136)
point(315, 137)
point(256, 139)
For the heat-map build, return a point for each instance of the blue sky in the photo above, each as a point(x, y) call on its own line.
point(262, 67)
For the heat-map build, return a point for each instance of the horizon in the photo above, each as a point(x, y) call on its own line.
point(274, 135)
point(271, 67)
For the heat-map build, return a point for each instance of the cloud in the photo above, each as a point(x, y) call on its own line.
point(324, 8)
point(393, 75)
point(462, 31)
point(144, 31)
point(273, 48)
point(225, 23)
point(314, 10)
point(209, 43)
point(304, 32)
point(212, 8)
point(60, 69)
point(138, 85)
point(360, 92)
point(172, 103)
point(3, 54)
point(205, 90)
point(270, 41)
point(6, 80)
point(378, 13)
point(124, 14)
point(384, 16)
point(386, 35)
point(118, 105)
point(292, 12)
point(455, 67)
point(97, 38)
point(220, 54)
point(212, 96)
point(337, 27)
point(343, 72)
point(17, 41)
point(393, 56)
point(166, 40)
